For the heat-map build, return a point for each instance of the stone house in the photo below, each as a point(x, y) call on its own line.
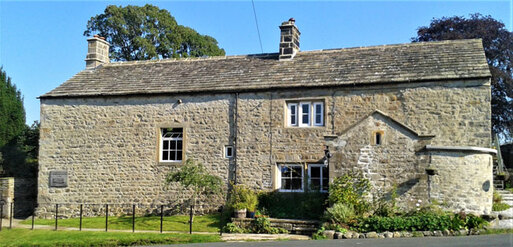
point(413, 116)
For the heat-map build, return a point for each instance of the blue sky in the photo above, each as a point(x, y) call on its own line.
point(41, 43)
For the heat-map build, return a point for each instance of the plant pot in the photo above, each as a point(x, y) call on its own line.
point(250, 214)
point(240, 213)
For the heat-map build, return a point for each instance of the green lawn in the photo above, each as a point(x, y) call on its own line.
point(24, 237)
point(206, 223)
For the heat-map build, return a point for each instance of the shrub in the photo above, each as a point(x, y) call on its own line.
point(242, 197)
point(319, 234)
point(350, 189)
point(339, 213)
point(308, 205)
point(263, 225)
point(232, 228)
point(386, 204)
point(500, 206)
point(421, 222)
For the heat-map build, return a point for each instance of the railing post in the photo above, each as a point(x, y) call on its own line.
point(161, 216)
point(32, 221)
point(106, 217)
point(80, 226)
point(133, 217)
point(190, 220)
point(56, 215)
point(1, 214)
point(11, 215)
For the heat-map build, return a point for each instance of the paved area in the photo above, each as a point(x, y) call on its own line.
point(502, 240)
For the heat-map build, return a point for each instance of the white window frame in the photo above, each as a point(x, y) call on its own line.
point(289, 114)
point(315, 104)
point(172, 138)
point(321, 173)
point(301, 113)
point(302, 178)
point(226, 151)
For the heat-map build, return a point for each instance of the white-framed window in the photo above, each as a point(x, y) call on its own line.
point(292, 114)
point(171, 144)
point(291, 178)
point(305, 114)
point(318, 113)
point(228, 151)
point(305, 111)
point(318, 177)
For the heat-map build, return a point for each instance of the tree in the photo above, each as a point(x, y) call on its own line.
point(12, 113)
point(194, 176)
point(141, 33)
point(498, 46)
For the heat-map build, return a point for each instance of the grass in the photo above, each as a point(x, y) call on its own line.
point(497, 231)
point(500, 206)
point(206, 223)
point(24, 237)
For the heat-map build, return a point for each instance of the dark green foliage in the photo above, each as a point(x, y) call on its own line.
point(147, 32)
point(12, 113)
point(263, 225)
point(242, 197)
point(498, 46)
point(500, 206)
point(339, 213)
point(350, 189)
point(19, 144)
point(232, 228)
point(285, 205)
point(425, 221)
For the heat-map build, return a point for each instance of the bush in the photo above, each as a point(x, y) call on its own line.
point(263, 225)
point(350, 189)
point(500, 206)
point(232, 228)
point(242, 197)
point(339, 213)
point(308, 205)
point(421, 222)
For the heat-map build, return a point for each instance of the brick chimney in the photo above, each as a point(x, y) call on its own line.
point(289, 39)
point(97, 52)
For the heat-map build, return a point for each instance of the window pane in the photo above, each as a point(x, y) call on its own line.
point(285, 184)
point(296, 172)
point(315, 183)
point(178, 155)
point(165, 155)
point(285, 171)
point(229, 152)
point(318, 118)
point(296, 183)
point(179, 145)
point(325, 172)
point(293, 114)
point(166, 145)
point(315, 172)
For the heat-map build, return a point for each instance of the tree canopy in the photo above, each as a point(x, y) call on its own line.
point(498, 46)
point(12, 113)
point(142, 33)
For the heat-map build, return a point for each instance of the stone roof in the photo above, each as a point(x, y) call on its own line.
point(412, 62)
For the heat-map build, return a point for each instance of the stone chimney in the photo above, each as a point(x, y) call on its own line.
point(289, 39)
point(97, 52)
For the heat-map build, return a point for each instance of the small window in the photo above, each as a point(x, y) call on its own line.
point(378, 138)
point(305, 114)
point(228, 151)
point(171, 145)
point(291, 178)
point(318, 176)
point(318, 114)
point(292, 114)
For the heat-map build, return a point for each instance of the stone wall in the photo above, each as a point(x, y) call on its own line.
point(6, 196)
point(463, 180)
point(109, 146)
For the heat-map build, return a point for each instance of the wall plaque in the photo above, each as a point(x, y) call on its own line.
point(58, 179)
